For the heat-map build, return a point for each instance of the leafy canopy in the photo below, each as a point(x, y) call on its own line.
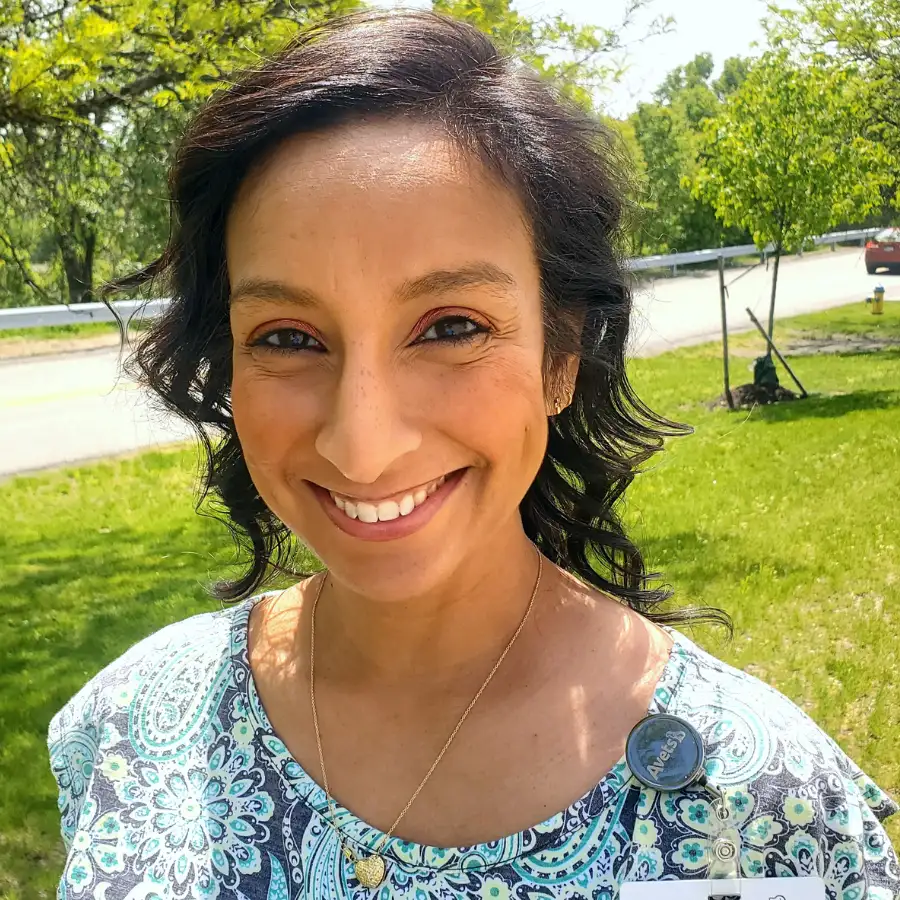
point(788, 157)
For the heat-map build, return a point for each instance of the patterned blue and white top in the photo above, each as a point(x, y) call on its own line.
point(172, 784)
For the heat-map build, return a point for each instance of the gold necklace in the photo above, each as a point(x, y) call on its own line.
point(370, 870)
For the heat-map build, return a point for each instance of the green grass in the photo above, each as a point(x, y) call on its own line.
point(854, 321)
point(786, 517)
point(79, 330)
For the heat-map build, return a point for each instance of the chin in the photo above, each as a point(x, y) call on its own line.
point(395, 574)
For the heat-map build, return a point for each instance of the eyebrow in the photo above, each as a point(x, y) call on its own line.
point(441, 281)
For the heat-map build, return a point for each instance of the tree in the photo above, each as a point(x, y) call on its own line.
point(787, 158)
point(734, 74)
point(94, 92)
point(862, 34)
point(78, 77)
point(668, 132)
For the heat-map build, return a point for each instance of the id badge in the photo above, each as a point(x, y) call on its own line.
point(806, 888)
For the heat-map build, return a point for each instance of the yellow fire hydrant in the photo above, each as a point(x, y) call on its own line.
point(878, 301)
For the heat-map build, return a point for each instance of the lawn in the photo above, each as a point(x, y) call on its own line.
point(786, 516)
point(44, 332)
point(62, 338)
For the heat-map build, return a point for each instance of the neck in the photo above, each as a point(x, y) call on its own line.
point(432, 641)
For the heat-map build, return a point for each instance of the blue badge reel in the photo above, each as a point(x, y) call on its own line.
point(665, 753)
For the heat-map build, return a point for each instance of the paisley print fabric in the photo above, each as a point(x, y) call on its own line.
point(172, 784)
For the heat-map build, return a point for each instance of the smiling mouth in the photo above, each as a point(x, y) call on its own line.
point(395, 507)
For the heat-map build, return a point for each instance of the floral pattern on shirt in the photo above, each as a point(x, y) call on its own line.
point(172, 784)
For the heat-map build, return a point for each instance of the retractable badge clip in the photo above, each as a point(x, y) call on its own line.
point(666, 753)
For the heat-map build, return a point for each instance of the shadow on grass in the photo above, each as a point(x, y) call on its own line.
point(145, 584)
point(690, 560)
point(827, 406)
point(67, 614)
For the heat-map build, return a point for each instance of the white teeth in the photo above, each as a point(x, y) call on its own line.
point(367, 512)
point(386, 510)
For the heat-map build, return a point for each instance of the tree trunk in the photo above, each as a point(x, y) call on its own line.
point(772, 302)
point(722, 296)
point(77, 250)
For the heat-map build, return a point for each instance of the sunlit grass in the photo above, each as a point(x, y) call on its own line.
point(788, 517)
point(76, 329)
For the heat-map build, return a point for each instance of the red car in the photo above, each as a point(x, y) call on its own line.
point(884, 250)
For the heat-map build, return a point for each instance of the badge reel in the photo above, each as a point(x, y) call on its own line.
point(665, 753)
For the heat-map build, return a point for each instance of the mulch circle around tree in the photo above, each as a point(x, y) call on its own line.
point(747, 396)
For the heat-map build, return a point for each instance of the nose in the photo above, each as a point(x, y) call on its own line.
point(366, 428)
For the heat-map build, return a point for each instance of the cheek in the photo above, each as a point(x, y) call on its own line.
point(271, 415)
point(495, 408)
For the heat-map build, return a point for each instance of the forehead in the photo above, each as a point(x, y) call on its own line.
point(394, 154)
point(373, 183)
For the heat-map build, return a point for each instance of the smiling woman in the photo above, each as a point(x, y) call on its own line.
point(399, 322)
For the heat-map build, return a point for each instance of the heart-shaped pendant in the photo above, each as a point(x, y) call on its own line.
point(369, 870)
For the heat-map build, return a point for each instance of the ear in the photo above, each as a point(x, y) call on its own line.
point(561, 385)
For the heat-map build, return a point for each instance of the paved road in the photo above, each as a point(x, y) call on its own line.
point(686, 309)
point(71, 407)
point(76, 406)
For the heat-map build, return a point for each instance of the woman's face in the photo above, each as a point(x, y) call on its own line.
point(388, 350)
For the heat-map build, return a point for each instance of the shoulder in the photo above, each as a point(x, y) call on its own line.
point(193, 648)
point(752, 729)
point(152, 702)
point(801, 805)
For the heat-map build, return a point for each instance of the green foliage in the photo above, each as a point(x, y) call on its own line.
point(94, 93)
point(788, 157)
point(668, 132)
point(734, 74)
point(862, 34)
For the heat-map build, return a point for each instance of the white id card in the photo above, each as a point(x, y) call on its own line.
point(810, 888)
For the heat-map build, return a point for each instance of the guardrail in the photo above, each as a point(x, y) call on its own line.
point(38, 316)
point(673, 260)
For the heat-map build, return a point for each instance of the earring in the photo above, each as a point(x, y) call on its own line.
point(557, 403)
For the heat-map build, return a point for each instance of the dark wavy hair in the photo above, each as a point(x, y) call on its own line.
point(568, 171)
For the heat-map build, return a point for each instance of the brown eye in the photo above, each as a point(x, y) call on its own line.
point(451, 329)
point(288, 340)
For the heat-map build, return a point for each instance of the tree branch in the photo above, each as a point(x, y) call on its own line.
point(24, 268)
point(106, 101)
